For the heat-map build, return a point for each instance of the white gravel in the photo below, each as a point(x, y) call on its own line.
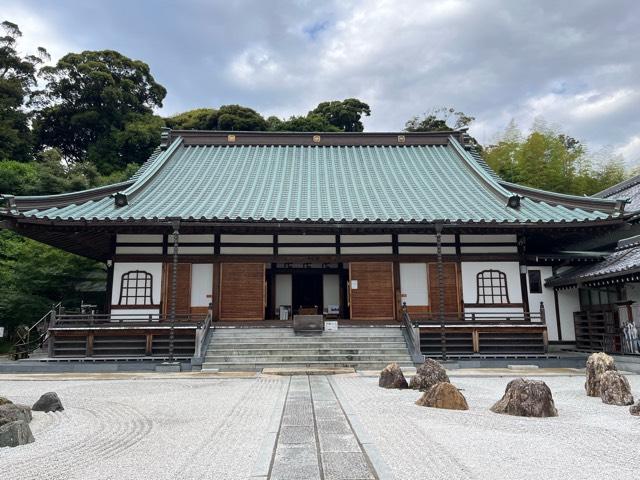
point(214, 428)
point(144, 429)
point(589, 440)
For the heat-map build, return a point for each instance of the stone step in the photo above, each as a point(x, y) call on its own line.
point(253, 366)
point(303, 339)
point(309, 346)
point(306, 351)
point(304, 358)
point(280, 333)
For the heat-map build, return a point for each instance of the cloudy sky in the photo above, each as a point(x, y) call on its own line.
point(574, 63)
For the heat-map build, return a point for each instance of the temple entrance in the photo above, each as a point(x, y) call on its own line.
point(306, 288)
point(307, 294)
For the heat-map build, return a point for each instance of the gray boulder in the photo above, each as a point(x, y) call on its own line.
point(15, 433)
point(428, 374)
point(597, 364)
point(443, 395)
point(49, 402)
point(615, 389)
point(526, 398)
point(12, 412)
point(635, 409)
point(4, 401)
point(392, 377)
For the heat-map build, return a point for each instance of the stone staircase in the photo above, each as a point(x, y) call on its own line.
point(257, 348)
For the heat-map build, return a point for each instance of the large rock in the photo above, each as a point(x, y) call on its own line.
point(428, 374)
point(12, 412)
point(392, 377)
point(4, 401)
point(49, 402)
point(526, 398)
point(597, 364)
point(15, 433)
point(443, 395)
point(635, 409)
point(615, 389)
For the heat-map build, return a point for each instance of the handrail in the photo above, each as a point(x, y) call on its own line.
point(122, 319)
point(478, 317)
point(202, 335)
point(411, 338)
point(25, 345)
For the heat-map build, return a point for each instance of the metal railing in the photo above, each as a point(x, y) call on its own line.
point(202, 336)
point(35, 336)
point(466, 318)
point(411, 336)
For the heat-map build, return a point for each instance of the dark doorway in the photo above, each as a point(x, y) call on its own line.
point(307, 291)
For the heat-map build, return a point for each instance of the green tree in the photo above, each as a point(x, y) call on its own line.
point(198, 119)
point(34, 276)
point(97, 106)
point(17, 79)
point(554, 161)
point(227, 117)
point(439, 120)
point(346, 115)
point(310, 123)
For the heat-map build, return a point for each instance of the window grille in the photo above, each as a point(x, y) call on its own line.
point(492, 287)
point(136, 288)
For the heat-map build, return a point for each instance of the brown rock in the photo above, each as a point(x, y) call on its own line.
point(428, 374)
point(526, 398)
point(15, 433)
point(392, 377)
point(597, 364)
point(635, 409)
point(12, 412)
point(615, 389)
point(443, 395)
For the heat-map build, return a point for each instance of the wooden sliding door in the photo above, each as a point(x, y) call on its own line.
point(183, 288)
point(242, 291)
point(451, 284)
point(371, 294)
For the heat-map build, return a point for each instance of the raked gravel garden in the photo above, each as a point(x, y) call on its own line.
point(196, 428)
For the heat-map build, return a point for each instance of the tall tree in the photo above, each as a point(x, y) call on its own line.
point(550, 160)
point(227, 117)
point(310, 123)
point(345, 115)
point(97, 106)
point(440, 119)
point(17, 79)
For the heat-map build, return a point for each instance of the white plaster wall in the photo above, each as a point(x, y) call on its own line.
point(427, 250)
point(365, 238)
point(568, 302)
point(356, 250)
point(201, 284)
point(330, 289)
point(307, 239)
point(246, 251)
point(246, 238)
point(137, 314)
point(119, 268)
point(135, 238)
point(190, 250)
point(488, 238)
point(489, 249)
point(139, 250)
point(413, 283)
point(471, 269)
point(284, 290)
point(414, 238)
point(547, 298)
point(195, 238)
point(304, 250)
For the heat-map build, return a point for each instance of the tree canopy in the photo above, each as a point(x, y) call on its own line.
point(551, 160)
point(438, 120)
point(345, 115)
point(98, 107)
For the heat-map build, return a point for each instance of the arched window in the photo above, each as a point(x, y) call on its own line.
point(492, 287)
point(136, 288)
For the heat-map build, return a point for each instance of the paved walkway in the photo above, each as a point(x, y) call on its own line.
point(315, 440)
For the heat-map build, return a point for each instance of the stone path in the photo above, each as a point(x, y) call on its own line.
point(315, 440)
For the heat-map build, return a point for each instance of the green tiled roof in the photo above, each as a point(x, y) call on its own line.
point(355, 183)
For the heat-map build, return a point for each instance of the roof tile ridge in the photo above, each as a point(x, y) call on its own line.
point(479, 171)
point(149, 173)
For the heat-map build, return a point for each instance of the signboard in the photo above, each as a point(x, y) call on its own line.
point(1, 332)
point(330, 325)
point(354, 284)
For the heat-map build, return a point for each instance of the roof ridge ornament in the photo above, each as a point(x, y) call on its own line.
point(8, 202)
point(514, 201)
point(120, 200)
point(165, 138)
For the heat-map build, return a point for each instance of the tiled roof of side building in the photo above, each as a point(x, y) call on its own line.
point(628, 190)
point(245, 176)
